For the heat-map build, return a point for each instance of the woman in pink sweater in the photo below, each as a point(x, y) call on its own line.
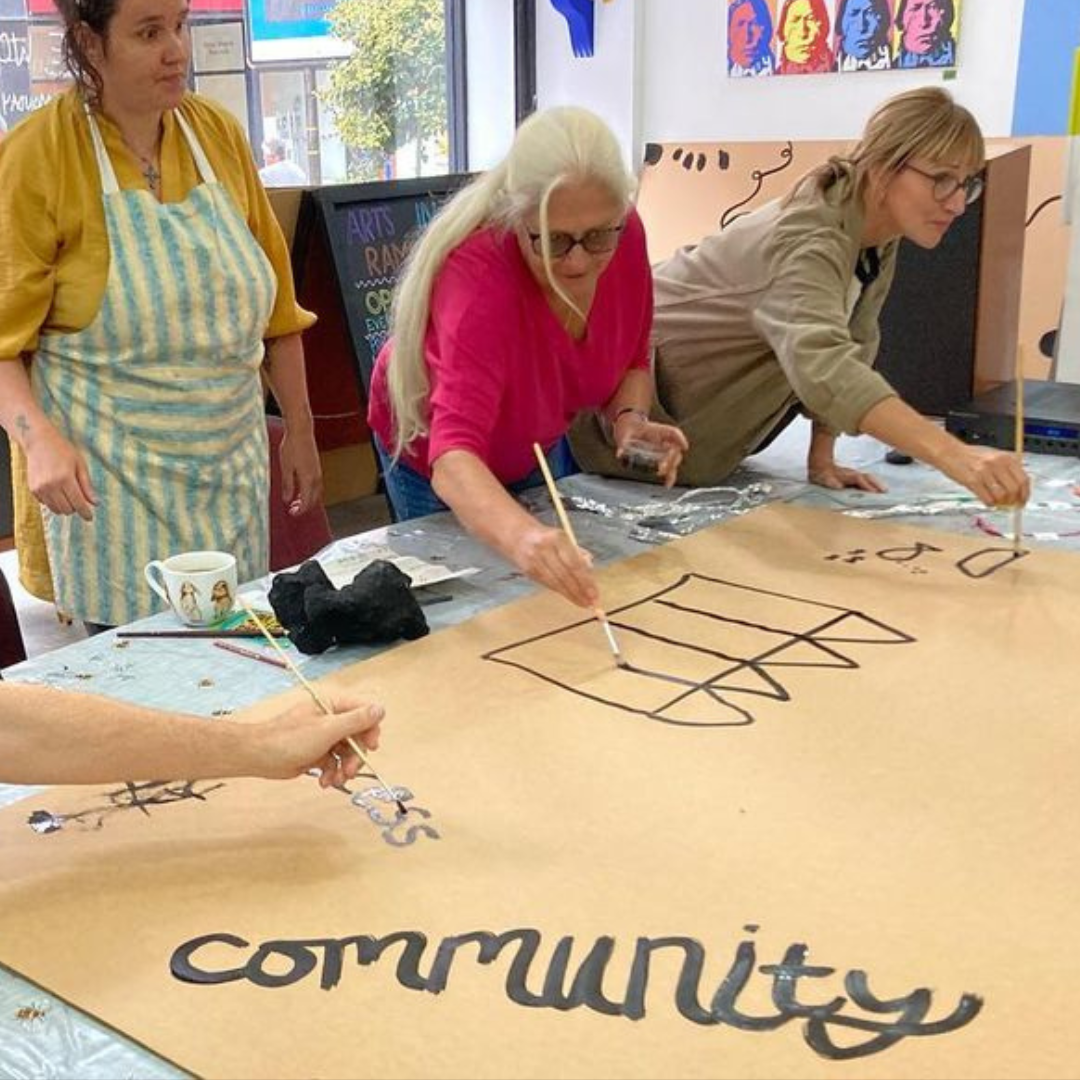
point(527, 301)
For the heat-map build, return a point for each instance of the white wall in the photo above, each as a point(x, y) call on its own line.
point(659, 76)
point(610, 82)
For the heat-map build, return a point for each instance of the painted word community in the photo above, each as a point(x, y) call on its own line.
point(875, 1025)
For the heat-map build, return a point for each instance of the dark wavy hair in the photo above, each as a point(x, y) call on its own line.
point(79, 16)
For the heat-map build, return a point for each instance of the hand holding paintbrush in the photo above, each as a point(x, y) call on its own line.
point(553, 491)
point(318, 699)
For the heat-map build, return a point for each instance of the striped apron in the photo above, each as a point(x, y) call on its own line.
point(162, 395)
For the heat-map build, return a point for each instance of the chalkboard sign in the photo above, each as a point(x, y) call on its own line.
point(369, 229)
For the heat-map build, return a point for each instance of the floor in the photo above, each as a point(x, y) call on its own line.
point(42, 630)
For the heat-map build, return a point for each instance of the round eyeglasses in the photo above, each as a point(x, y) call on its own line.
point(595, 241)
point(945, 185)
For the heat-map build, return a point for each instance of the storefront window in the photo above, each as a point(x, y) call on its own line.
point(327, 90)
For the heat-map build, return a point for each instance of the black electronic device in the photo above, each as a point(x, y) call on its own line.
point(1051, 413)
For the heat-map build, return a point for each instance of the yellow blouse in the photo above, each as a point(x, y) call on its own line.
point(54, 256)
point(54, 249)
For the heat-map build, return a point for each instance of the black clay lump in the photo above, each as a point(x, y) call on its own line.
point(376, 606)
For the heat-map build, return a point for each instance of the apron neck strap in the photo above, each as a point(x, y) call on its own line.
point(202, 162)
point(110, 185)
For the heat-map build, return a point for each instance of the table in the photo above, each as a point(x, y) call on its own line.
point(40, 1036)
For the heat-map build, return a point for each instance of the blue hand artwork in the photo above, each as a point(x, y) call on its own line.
point(579, 18)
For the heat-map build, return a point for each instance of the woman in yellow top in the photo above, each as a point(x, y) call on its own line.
point(140, 272)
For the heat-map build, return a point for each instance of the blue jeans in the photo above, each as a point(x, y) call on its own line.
point(411, 495)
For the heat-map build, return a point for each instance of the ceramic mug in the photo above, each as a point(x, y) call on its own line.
point(200, 586)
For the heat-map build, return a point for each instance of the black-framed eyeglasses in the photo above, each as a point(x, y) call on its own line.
point(945, 185)
point(595, 241)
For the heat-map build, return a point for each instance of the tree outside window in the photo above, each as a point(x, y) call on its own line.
point(389, 97)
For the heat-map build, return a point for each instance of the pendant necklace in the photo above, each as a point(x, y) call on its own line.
point(153, 177)
point(150, 171)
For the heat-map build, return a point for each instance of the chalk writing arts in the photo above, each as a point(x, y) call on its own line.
point(978, 564)
point(881, 1023)
point(716, 648)
point(398, 830)
point(370, 224)
point(144, 797)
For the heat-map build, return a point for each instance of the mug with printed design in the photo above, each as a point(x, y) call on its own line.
point(200, 586)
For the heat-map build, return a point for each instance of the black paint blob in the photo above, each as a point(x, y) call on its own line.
point(377, 606)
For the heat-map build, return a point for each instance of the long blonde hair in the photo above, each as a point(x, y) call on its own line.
point(560, 145)
point(925, 122)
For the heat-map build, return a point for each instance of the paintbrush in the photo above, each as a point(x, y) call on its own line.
point(598, 611)
point(1018, 509)
point(251, 654)
point(318, 699)
point(240, 632)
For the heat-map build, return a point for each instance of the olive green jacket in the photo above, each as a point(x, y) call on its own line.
point(755, 319)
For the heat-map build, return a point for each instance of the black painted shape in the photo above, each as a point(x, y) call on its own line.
point(1048, 343)
point(586, 988)
point(653, 153)
point(907, 553)
point(183, 969)
point(912, 1009)
point(758, 178)
point(968, 565)
point(786, 977)
point(131, 796)
point(686, 990)
point(1040, 208)
point(821, 641)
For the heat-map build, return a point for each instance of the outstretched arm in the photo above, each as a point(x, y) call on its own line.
point(52, 736)
point(491, 514)
point(995, 476)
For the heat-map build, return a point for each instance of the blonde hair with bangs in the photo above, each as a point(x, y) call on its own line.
point(922, 123)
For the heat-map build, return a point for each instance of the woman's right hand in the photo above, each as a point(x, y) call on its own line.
point(58, 476)
point(550, 558)
point(995, 476)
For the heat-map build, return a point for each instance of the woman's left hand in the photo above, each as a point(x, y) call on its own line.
point(301, 471)
point(664, 439)
point(836, 477)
